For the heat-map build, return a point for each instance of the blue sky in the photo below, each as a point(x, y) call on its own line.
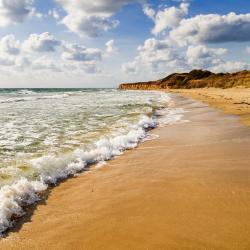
point(101, 43)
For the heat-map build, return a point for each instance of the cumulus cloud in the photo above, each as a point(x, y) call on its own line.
point(32, 54)
point(230, 66)
point(75, 52)
point(148, 11)
point(6, 61)
point(157, 56)
point(213, 28)
point(209, 28)
point(55, 14)
point(203, 57)
point(45, 63)
point(81, 58)
point(185, 40)
point(89, 25)
point(9, 45)
point(14, 11)
point(110, 46)
point(132, 67)
point(10, 50)
point(22, 62)
point(167, 18)
point(44, 42)
point(91, 17)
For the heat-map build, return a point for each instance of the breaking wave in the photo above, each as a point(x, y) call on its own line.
point(32, 98)
point(52, 166)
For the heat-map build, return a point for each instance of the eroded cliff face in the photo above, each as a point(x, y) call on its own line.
point(139, 85)
point(194, 79)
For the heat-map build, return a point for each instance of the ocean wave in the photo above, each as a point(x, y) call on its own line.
point(33, 98)
point(52, 168)
point(16, 196)
point(24, 192)
point(58, 96)
point(169, 116)
point(25, 92)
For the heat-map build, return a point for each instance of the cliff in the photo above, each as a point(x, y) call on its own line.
point(194, 79)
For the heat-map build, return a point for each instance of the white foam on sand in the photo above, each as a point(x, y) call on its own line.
point(16, 196)
point(23, 192)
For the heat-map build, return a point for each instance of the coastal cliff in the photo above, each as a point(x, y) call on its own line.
point(194, 79)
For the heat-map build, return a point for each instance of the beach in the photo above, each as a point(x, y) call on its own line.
point(234, 101)
point(124, 125)
point(187, 189)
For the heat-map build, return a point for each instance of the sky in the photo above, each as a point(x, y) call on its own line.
point(102, 43)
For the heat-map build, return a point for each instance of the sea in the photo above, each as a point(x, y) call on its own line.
point(48, 135)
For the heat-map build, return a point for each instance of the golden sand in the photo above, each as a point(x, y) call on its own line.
point(189, 189)
point(232, 101)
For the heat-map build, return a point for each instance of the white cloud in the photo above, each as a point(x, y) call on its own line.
point(184, 46)
point(131, 67)
point(63, 57)
point(6, 60)
point(157, 56)
point(230, 66)
point(81, 58)
point(148, 11)
point(22, 62)
point(54, 13)
point(110, 46)
point(248, 50)
point(44, 42)
point(14, 11)
point(167, 18)
point(75, 52)
point(213, 28)
point(91, 17)
point(9, 45)
point(89, 25)
point(203, 57)
point(45, 63)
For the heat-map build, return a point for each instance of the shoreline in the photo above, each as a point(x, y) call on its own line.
point(18, 195)
point(106, 204)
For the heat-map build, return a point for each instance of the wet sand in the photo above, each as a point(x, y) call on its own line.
point(188, 189)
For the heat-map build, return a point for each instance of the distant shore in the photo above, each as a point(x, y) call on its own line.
point(187, 189)
point(227, 91)
point(196, 78)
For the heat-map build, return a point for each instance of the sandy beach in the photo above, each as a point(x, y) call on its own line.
point(188, 189)
point(232, 100)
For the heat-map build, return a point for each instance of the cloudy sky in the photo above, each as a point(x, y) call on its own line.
point(101, 43)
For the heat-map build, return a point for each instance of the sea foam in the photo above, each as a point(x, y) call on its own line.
point(25, 98)
point(52, 167)
point(23, 192)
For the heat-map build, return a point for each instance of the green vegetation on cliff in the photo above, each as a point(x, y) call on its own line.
point(195, 79)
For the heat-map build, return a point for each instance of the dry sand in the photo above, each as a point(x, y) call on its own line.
point(189, 189)
point(232, 101)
